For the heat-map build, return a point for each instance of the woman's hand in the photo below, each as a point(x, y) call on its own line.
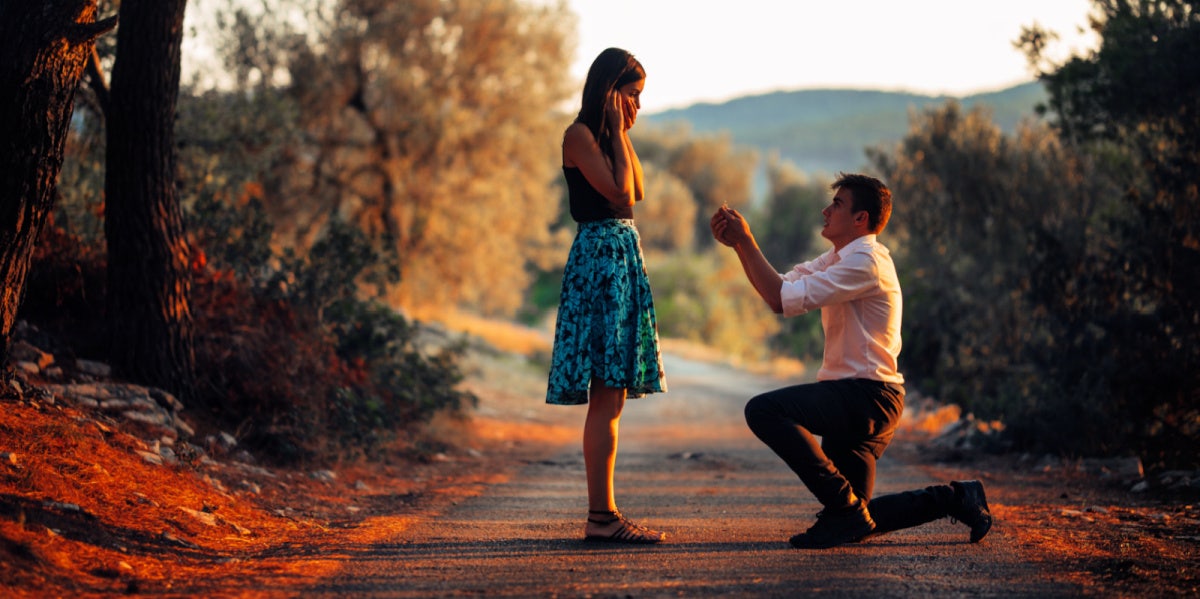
point(631, 110)
point(616, 110)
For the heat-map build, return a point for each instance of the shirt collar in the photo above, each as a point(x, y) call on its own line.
point(864, 241)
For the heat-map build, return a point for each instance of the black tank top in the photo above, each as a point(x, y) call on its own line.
point(587, 204)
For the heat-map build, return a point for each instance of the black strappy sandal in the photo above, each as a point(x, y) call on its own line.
point(627, 532)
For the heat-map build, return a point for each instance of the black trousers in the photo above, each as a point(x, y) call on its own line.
point(856, 420)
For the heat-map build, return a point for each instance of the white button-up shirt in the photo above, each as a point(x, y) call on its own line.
point(859, 296)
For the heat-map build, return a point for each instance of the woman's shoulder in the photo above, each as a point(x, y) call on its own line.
point(577, 131)
point(577, 141)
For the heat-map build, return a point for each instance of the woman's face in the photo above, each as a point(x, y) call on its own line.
point(632, 93)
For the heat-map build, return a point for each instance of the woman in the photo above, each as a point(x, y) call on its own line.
point(606, 337)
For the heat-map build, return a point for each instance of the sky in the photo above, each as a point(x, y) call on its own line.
point(714, 50)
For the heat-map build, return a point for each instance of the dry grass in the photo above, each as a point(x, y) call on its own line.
point(503, 335)
point(778, 367)
point(530, 341)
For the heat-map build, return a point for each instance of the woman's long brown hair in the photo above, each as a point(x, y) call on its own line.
point(612, 69)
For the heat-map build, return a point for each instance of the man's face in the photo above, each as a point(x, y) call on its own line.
point(842, 224)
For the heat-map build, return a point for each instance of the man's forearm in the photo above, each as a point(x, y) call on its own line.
point(762, 275)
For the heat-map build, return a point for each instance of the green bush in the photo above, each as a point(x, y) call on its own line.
point(315, 365)
point(293, 355)
point(706, 298)
point(1022, 262)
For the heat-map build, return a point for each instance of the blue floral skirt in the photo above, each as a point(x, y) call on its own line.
point(606, 327)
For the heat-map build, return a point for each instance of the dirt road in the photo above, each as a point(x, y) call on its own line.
point(686, 465)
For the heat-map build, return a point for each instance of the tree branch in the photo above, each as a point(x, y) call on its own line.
point(97, 82)
point(83, 33)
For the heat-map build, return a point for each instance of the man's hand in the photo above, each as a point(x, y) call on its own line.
point(729, 227)
point(717, 224)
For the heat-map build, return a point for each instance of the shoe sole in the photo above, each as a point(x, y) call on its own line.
point(977, 534)
point(800, 541)
point(611, 541)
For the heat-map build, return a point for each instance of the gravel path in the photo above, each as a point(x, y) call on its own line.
point(687, 465)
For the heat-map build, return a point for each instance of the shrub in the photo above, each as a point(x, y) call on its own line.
point(292, 355)
point(314, 367)
point(64, 292)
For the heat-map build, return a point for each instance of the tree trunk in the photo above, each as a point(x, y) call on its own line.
point(149, 284)
point(45, 45)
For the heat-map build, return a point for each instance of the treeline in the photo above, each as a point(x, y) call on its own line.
point(1052, 274)
point(1052, 277)
point(390, 159)
point(381, 164)
point(375, 160)
point(825, 130)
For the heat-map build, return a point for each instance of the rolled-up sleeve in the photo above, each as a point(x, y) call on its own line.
point(858, 293)
point(829, 279)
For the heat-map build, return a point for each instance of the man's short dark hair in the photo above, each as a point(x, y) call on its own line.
point(871, 195)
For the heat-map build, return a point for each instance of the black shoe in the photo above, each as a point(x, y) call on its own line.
point(836, 527)
point(971, 508)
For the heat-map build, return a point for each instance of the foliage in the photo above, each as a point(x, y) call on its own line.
point(290, 357)
point(1016, 305)
point(265, 368)
point(1140, 91)
point(64, 292)
point(431, 126)
point(788, 226)
point(713, 170)
point(705, 298)
point(787, 229)
point(294, 351)
point(687, 178)
point(406, 385)
point(230, 141)
point(979, 219)
point(79, 208)
point(666, 219)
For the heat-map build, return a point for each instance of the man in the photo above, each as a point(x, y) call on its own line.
point(856, 403)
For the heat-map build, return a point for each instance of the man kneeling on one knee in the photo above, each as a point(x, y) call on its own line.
point(856, 403)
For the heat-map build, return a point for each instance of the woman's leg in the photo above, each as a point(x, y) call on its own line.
point(600, 444)
point(604, 522)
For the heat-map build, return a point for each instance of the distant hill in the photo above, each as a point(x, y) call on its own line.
point(827, 130)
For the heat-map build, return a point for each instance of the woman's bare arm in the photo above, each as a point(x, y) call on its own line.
point(617, 181)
